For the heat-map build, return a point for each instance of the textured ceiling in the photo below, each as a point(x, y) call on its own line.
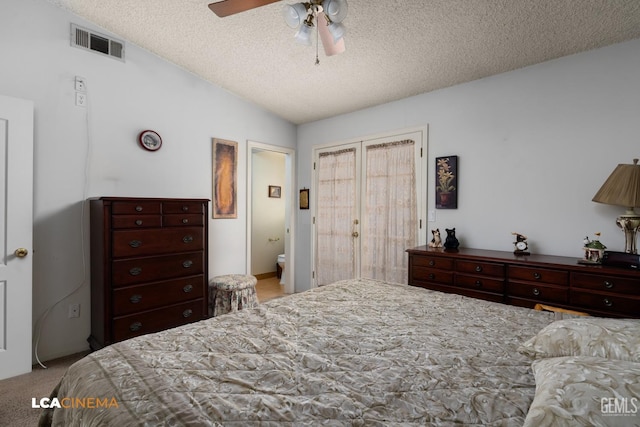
point(395, 48)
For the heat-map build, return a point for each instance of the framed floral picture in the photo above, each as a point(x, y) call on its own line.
point(447, 182)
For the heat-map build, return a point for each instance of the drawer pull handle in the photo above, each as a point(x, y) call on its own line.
point(432, 276)
point(432, 263)
point(479, 283)
point(135, 326)
point(478, 268)
point(607, 302)
point(608, 284)
point(187, 289)
point(135, 243)
point(536, 291)
point(138, 208)
point(187, 239)
point(135, 298)
point(187, 263)
point(185, 221)
point(138, 222)
point(187, 313)
point(537, 276)
point(135, 271)
point(185, 208)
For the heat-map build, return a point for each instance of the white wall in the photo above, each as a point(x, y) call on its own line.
point(534, 146)
point(268, 219)
point(144, 92)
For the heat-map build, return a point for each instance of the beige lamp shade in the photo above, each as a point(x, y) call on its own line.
point(622, 188)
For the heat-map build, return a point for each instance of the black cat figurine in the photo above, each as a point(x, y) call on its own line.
point(451, 243)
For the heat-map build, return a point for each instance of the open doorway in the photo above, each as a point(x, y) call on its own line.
point(270, 205)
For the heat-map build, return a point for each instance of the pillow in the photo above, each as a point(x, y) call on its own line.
point(587, 336)
point(585, 391)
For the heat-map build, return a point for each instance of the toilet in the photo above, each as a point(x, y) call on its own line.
point(281, 265)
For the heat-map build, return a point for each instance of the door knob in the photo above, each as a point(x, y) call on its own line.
point(355, 234)
point(21, 252)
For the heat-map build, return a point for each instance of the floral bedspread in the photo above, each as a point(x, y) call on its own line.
point(357, 352)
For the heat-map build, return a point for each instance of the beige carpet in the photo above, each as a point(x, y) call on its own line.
point(16, 393)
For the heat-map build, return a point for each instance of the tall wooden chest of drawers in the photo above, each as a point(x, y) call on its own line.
point(148, 266)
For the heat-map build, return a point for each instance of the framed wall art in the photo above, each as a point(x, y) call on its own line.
point(275, 191)
point(304, 198)
point(447, 182)
point(225, 169)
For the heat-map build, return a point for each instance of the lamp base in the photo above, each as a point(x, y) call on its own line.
point(630, 224)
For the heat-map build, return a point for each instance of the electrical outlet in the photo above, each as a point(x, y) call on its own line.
point(81, 99)
point(80, 84)
point(74, 310)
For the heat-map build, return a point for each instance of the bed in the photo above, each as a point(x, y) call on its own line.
point(357, 352)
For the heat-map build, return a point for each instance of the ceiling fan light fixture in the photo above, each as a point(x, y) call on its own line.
point(294, 14)
point(336, 10)
point(337, 31)
point(303, 36)
point(331, 46)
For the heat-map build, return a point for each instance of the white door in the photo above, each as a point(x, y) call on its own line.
point(16, 235)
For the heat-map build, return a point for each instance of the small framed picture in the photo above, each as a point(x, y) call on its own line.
point(304, 198)
point(274, 191)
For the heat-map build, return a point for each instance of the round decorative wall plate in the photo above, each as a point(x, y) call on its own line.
point(150, 140)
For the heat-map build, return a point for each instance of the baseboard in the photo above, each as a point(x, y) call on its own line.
point(265, 275)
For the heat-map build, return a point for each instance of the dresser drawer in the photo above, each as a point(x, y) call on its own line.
point(146, 322)
point(135, 207)
point(542, 275)
point(606, 303)
point(432, 275)
point(185, 220)
point(128, 243)
point(152, 269)
point(480, 283)
point(132, 299)
point(480, 268)
point(606, 283)
point(538, 292)
point(182, 207)
point(136, 221)
point(433, 262)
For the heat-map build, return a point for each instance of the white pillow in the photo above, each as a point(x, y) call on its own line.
point(587, 336)
point(585, 391)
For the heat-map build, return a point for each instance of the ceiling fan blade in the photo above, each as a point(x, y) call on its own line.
point(231, 7)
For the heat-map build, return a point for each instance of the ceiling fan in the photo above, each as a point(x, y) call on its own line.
point(325, 15)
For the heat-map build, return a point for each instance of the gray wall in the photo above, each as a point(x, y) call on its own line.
point(534, 146)
point(144, 92)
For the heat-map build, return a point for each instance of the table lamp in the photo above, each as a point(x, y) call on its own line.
point(622, 188)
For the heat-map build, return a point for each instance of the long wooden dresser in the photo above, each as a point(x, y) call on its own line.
point(528, 280)
point(148, 266)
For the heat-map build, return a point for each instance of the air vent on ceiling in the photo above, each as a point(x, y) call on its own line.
point(90, 40)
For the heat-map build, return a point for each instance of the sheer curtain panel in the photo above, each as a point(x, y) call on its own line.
point(390, 210)
point(336, 212)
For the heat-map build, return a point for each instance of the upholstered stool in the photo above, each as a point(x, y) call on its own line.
point(232, 292)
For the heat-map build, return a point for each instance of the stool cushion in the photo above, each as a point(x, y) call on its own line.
point(232, 292)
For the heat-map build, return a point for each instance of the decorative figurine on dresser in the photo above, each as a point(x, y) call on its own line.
point(148, 266)
point(436, 241)
point(593, 250)
point(451, 242)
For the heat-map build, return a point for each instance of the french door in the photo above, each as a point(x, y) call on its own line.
point(368, 202)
